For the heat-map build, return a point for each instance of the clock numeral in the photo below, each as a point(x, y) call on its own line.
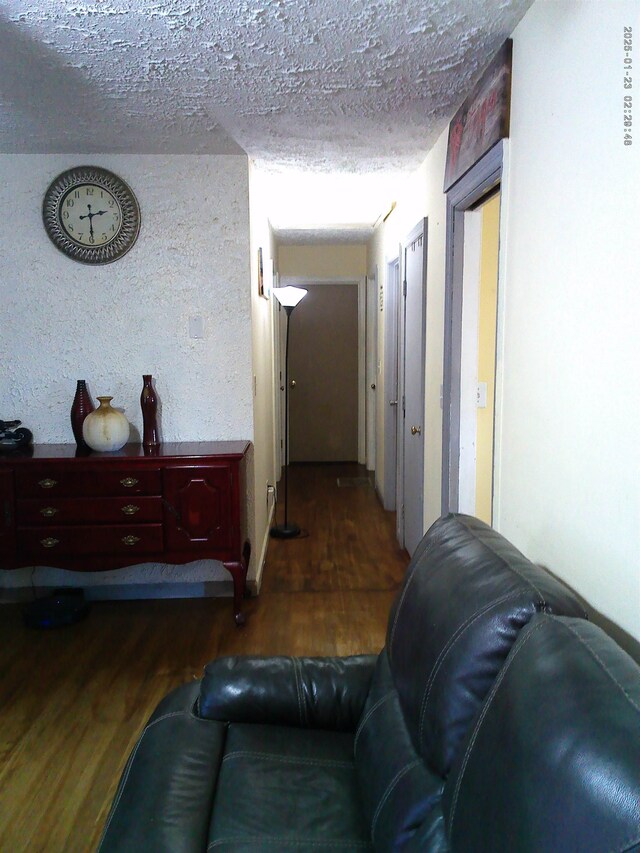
point(65, 214)
point(76, 194)
point(80, 235)
point(69, 227)
point(91, 239)
point(110, 202)
point(89, 191)
point(69, 202)
point(103, 237)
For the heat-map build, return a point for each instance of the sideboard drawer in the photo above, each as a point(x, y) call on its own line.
point(43, 544)
point(60, 511)
point(53, 481)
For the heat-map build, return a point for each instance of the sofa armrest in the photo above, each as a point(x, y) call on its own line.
point(320, 693)
point(165, 795)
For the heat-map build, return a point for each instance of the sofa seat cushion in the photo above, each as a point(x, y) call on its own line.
point(284, 788)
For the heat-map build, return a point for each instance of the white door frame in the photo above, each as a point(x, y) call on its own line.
point(391, 389)
point(371, 367)
point(489, 172)
point(361, 284)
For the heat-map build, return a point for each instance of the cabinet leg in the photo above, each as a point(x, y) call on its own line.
point(238, 571)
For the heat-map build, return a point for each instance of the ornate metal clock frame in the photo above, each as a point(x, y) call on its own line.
point(103, 200)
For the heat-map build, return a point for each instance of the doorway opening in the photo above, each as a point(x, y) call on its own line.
point(326, 373)
point(470, 390)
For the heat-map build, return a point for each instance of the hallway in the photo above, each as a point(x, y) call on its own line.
point(73, 701)
point(337, 581)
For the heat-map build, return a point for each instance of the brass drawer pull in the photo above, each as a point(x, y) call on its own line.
point(47, 483)
point(130, 540)
point(130, 509)
point(49, 511)
point(129, 482)
point(49, 542)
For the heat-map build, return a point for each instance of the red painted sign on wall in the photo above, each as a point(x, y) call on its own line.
point(483, 119)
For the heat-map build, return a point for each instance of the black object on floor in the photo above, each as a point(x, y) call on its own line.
point(62, 607)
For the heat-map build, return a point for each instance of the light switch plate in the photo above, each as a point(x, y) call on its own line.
point(196, 327)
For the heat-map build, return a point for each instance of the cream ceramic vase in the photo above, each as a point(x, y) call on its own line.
point(105, 429)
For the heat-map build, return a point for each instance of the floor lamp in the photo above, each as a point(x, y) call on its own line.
point(288, 297)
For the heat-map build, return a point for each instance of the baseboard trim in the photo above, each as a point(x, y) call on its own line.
point(255, 583)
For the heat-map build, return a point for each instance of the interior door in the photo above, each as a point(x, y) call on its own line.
point(323, 375)
point(411, 511)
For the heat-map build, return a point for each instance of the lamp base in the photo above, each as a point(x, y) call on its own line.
point(284, 531)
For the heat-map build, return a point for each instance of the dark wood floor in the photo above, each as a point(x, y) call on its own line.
point(73, 701)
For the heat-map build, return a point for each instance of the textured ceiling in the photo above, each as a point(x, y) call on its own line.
point(357, 86)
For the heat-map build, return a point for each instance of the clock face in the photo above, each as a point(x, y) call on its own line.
point(91, 215)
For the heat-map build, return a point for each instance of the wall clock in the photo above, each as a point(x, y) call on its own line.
point(91, 215)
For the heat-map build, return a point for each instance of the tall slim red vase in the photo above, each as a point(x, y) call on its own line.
point(82, 406)
point(149, 406)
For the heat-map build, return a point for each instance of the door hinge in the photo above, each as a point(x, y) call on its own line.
point(404, 287)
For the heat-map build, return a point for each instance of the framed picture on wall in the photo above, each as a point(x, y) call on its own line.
point(260, 274)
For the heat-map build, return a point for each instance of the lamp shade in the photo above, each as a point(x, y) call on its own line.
point(289, 296)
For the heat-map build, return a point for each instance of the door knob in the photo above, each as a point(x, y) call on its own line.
point(393, 402)
point(373, 386)
point(416, 430)
point(292, 384)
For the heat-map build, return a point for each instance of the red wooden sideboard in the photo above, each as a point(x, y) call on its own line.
point(89, 511)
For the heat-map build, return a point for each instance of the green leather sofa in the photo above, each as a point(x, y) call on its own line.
point(496, 718)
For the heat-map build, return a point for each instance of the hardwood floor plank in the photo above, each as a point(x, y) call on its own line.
point(74, 700)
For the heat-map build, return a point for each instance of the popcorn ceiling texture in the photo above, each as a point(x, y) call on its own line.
point(322, 84)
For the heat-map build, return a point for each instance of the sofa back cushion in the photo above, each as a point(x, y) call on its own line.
point(466, 595)
point(553, 760)
point(398, 792)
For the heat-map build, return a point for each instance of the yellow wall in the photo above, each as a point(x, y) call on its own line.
point(487, 305)
point(324, 261)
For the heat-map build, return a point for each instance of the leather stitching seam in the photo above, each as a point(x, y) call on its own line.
point(594, 654)
point(448, 647)
point(130, 764)
point(368, 716)
point(389, 789)
point(286, 759)
point(276, 839)
point(295, 675)
point(476, 730)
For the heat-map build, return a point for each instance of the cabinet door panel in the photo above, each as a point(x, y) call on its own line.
point(198, 508)
point(7, 521)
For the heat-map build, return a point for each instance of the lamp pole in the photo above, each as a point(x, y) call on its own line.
point(288, 297)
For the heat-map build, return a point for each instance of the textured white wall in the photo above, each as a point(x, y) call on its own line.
point(569, 486)
point(62, 320)
point(262, 321)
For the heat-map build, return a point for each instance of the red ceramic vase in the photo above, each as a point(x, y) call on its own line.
point(149, 406)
